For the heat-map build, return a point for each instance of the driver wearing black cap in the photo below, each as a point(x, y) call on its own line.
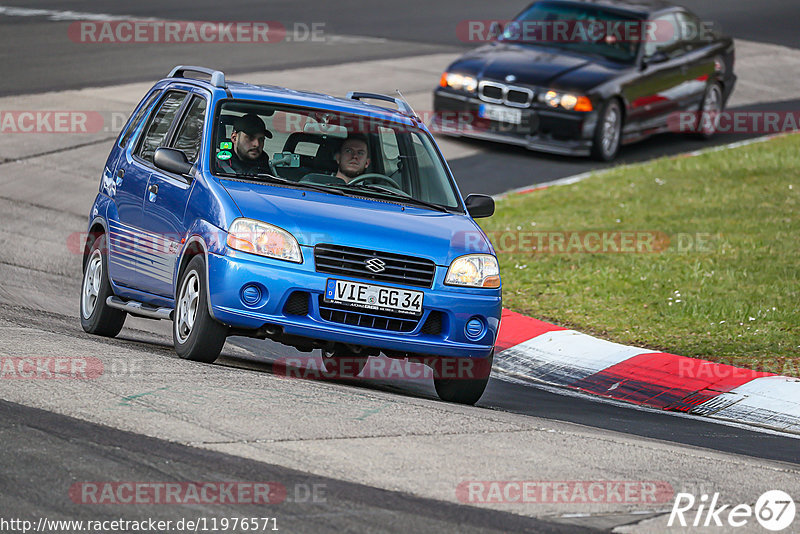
point(248, 157)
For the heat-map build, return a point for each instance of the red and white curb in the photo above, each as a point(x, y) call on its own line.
point(542, 352)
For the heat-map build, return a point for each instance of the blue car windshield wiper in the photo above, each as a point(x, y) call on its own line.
point(266, 177)
point(402, 197)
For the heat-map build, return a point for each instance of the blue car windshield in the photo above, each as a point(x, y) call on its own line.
point(344, 153)
point(583, 29)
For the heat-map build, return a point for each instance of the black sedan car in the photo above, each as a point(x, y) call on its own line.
point(583, 77)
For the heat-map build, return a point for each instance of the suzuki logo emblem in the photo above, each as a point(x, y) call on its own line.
point(375, 265)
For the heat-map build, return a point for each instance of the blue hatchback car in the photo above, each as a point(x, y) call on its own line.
point(314, 221)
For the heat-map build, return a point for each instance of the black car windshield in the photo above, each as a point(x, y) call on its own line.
point(584, 29)
point(324, 150)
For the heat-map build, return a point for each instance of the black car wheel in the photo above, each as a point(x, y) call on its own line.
point(97, 317)
point(197, 336)
point(710, 109)
point(608, 132)
point(460, 389)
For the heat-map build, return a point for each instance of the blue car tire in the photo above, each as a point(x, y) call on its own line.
point(460, 389)
point(97, 317)
point(196, 335)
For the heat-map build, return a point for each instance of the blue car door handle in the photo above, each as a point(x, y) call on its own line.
point(153, 189)
point(120, 175)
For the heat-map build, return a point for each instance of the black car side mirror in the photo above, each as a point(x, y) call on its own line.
point(172, 160)
point(658, 57)
point(480, 206)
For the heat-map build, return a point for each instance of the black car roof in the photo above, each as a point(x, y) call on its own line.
point(639, 7)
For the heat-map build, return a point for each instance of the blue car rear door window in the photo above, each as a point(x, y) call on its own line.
point(165, 205)
point(137, 118)
point(160, 124)
point(129, 242)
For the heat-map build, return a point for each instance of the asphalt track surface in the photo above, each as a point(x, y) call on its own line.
point(34, 439)
point(36, 58)
point(43, 452)
point(583, 410)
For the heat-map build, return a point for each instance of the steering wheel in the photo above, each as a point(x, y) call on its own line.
point(375, 176)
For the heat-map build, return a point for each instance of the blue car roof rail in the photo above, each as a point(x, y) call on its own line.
point(402, 106)
point(217, 76)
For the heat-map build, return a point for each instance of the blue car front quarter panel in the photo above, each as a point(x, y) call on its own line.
point(277, 280)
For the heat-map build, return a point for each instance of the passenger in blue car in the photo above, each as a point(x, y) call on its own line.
point(352, 157)
point(249, 133)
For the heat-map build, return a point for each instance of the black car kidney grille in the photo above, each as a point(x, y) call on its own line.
point(490, 91)
point(350, 261)
point(518, 97)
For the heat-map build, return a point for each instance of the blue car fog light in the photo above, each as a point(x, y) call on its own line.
point(251, 294)
point(474, 328)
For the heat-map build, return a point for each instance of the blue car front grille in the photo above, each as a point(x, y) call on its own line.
point(378, 320)
point(397, 268)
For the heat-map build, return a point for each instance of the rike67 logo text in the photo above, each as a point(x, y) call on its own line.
point(774, 510)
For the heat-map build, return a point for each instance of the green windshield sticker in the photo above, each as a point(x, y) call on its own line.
point(223, 155)
point(225, 145)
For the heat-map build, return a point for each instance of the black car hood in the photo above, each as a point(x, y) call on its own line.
point(536, 65)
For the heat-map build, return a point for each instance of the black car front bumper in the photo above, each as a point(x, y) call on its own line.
point(546, 130)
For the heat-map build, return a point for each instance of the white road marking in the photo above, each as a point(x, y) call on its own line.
point(60, 16)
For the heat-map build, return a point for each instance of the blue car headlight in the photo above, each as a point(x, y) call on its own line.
point(263, 239)
point(474, 270)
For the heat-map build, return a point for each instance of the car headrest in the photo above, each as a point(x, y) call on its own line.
point(326, 147)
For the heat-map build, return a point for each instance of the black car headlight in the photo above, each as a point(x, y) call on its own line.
point(569, 101)
point(459, 82)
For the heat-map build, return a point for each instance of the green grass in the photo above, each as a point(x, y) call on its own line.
point(735, 300)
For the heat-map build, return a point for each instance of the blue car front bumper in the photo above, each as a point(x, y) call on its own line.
point(276, 281)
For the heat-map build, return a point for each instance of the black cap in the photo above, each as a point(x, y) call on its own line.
point(251, 124)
